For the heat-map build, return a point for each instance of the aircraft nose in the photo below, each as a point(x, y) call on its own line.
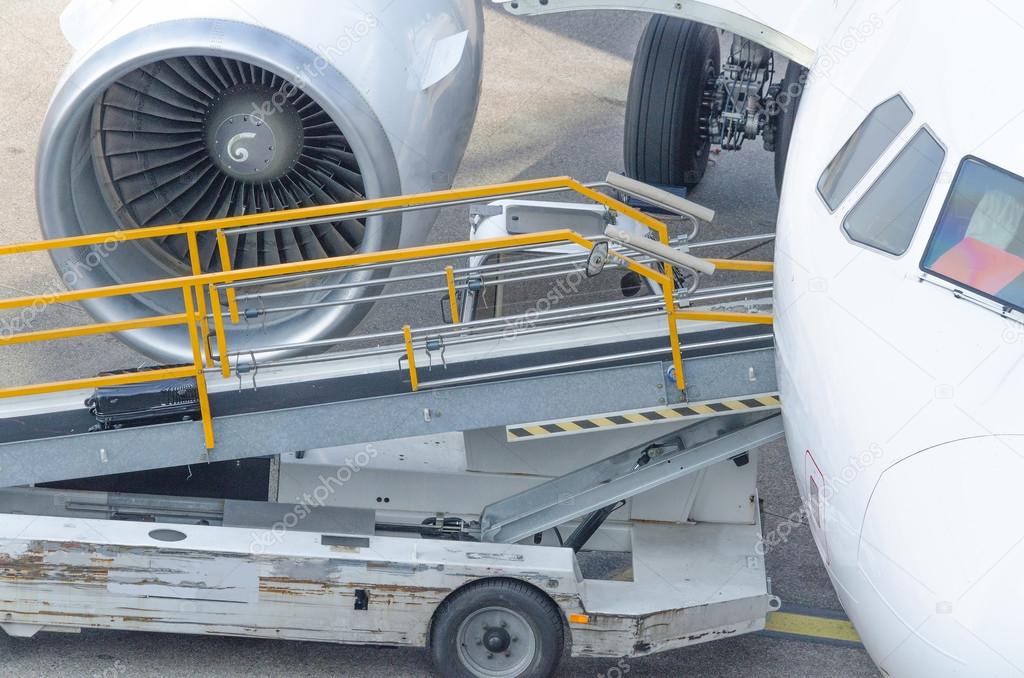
point(942, 553)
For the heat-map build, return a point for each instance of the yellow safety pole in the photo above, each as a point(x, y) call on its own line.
point(410, 355)
point(677, 351)
point(204, 400)
point(225, 265)
point(197, 269)
point(218, 328)
point(673, 332)
point(453, 299)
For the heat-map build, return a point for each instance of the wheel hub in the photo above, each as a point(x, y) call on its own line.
point(497, 640)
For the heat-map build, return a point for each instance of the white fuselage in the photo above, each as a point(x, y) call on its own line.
point(902, 401)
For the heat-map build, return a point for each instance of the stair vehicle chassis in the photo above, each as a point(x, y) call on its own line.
point(503, 489)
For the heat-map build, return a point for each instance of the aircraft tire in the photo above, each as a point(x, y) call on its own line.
point(675, 65)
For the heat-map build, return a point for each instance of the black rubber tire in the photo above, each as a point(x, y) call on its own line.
point(537, 608)
point(788, 103)
point(673, 64)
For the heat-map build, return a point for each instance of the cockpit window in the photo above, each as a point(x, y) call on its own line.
point(887, 216)
point(979, 239)
point(863, 150)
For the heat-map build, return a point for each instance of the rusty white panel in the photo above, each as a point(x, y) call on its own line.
point(611, 636)
point(691, 584)
point(77, 573)
point(186, 577)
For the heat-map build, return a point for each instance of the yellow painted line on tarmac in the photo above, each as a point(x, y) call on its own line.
point(622, 574)
point(811, 626)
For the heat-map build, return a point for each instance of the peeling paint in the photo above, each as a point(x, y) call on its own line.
point(72, 585)
point(401, 568)
point(507, 557)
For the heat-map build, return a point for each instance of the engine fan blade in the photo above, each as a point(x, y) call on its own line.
point(186, 139)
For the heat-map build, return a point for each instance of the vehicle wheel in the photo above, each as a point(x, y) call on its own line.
point(675, 64)
point(496, 629)
point(788, 101)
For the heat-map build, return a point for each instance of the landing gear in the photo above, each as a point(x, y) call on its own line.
point(668, 98)
point(787, 101)
point(683, 102)
point(498, 628)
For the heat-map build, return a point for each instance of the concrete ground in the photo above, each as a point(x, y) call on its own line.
point(553, 103)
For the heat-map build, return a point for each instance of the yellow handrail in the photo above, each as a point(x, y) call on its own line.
point(98, 382)
point(326, 264)
point(98, 328)
point(195, 287)
point(264, 218)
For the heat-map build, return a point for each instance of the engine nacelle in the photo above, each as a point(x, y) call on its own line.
point(190, 110)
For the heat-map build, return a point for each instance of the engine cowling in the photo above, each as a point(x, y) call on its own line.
point(184, 111)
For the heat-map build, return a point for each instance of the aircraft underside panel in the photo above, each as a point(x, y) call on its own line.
point(796, 29)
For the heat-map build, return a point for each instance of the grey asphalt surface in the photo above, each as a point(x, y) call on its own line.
point(553, 103)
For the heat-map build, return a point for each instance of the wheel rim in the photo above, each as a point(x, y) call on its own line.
point(495, 642)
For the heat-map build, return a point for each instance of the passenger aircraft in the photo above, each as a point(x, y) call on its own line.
point(899, 260)
point(899, 294)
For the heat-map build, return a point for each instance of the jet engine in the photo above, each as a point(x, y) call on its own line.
point(173, 112)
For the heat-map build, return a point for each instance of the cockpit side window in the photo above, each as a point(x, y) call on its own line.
point(863, 149)
point(978, 241)
point(888, 214)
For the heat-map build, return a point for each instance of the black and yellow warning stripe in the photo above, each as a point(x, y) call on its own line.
point(642, 417)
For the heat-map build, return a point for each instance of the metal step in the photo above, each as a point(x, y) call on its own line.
point(626, 474)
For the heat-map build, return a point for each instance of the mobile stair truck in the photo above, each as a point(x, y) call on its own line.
point(501, 489)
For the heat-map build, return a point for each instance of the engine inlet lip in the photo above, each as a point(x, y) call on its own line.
point(60, 163)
